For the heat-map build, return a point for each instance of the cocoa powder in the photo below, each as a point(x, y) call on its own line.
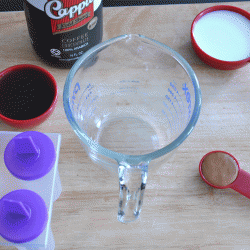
point(219, 169)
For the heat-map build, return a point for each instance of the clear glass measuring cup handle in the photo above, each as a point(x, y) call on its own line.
point(132, 182)
point(242, 183)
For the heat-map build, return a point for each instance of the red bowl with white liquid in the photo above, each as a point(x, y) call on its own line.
point(220, 36)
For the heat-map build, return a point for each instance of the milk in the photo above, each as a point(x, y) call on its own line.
point(224, 35)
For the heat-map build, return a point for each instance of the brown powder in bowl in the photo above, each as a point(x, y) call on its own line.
point(219, 169)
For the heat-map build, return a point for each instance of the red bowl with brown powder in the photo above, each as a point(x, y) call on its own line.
point(220, 169)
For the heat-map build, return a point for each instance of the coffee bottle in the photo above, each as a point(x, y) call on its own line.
point(62, 30)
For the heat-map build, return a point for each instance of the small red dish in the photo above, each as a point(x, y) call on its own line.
point(221, 170)
point(212, 37)
point(28, 95)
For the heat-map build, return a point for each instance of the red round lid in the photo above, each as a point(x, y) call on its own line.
point(220, 36)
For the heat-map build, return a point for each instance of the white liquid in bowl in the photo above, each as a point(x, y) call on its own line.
point(224, 35)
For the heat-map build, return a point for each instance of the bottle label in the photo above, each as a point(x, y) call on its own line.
point(68, 14)
point(62, 30)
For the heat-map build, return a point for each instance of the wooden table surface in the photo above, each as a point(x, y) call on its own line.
point(180, 211)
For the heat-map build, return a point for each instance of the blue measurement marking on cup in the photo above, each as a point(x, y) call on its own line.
point(82, 112)
point(188, 98)
point(180, 103)
point(75, 91)
point(125, 88)
point(176, 107)
point(85, 95)
point(174, 100)
point(173, 107)
point(165, 114)
point(173, 85)
point(90, 115)
point(173, 124)
point(86, 101)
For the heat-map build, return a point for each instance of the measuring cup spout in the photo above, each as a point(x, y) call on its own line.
point(132, 182)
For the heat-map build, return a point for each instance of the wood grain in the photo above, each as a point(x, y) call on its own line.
point(180, 211)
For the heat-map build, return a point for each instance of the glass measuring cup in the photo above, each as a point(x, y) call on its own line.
point(220, 169)
point(131, 100)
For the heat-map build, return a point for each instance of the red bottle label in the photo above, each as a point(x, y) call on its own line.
point(67, 15)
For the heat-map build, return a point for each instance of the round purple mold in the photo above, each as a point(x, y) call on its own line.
point(30, 155)
point(23, 216)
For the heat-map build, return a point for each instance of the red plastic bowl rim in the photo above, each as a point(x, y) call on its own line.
point(216, 8)
point(202, 176)
point(35, 120)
